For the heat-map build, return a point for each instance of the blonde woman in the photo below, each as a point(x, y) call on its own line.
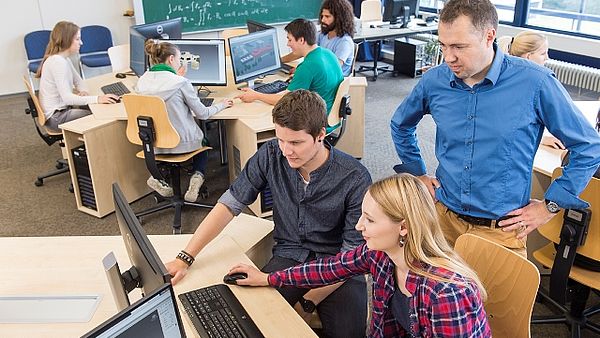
point(421, 287)
point(532, 46)
point(63, 94)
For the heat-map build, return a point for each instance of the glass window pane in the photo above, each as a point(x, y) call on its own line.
point(582, 16)
point(506, 10)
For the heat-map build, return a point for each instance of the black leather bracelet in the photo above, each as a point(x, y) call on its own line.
point(185, 257)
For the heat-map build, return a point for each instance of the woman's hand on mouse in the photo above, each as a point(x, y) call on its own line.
point(255, 277)
point(108, 98)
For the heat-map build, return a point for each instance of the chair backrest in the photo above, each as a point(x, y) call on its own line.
point(370, 10)
point(119, 58)
point(229, 33)
point(354, 60)
point(334, 117)
point(552, 229)
point(511, 282)
point(36, 43)
point(41, 118)
point(154, 107)
point(95, 39)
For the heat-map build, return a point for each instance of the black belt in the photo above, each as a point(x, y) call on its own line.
point(480, 221)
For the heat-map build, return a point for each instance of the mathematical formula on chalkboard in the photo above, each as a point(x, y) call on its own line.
point(218, 14)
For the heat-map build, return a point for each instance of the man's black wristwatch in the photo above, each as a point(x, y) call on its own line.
point(307, 305)
point(552, 207)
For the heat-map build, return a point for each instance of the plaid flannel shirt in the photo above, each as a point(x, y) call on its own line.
point(438, 309)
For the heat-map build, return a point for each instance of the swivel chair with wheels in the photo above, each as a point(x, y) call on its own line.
point(370, 10)
point(35, 47)
point(578, 274)
point(148, 125)
point(50, 137)
point(511, 282)
point(340, 110)
point(94, 51)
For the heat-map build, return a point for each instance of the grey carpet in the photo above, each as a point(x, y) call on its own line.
point(27, 210)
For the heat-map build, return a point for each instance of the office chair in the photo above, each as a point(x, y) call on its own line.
point(340, 110)
point(511, 282)
point(370, 10)
point(148, 125)
point(353, 65)
point(583, 280)
point(35, 48)
point(94, 51)
point(119, 58)
point(50, 137)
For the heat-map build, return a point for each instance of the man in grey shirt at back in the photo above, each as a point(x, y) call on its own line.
point(317, 195)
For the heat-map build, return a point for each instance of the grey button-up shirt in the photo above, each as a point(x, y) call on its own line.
point(319, 219)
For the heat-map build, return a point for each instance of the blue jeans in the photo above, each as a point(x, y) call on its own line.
point(199, 162)
point(343, 313)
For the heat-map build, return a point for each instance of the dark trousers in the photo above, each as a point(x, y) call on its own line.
point(343, 313)
point(199, 162)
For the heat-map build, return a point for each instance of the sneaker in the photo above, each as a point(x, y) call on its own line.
point(196, 182)
point(161, 187)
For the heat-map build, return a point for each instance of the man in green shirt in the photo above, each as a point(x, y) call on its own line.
point(320, 71)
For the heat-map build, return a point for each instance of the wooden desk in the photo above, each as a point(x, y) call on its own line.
point(73, 266)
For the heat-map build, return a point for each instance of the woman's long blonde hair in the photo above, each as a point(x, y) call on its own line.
point(61, 38)
point(523, 43)
point(403, 197)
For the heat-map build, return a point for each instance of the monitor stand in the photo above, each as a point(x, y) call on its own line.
point(120, 283)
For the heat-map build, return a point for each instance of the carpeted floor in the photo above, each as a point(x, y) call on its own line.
point(27, 210)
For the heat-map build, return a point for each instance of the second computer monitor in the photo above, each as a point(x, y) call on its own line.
point(204, 60)
point(168, 29)
point(255, 26)
point(400, 11)
point(254, 55)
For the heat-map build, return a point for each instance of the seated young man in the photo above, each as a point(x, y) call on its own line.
point(337, 31)
point(317, 197)
point(320, 71)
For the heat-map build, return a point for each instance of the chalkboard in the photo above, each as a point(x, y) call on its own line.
point(201, 15)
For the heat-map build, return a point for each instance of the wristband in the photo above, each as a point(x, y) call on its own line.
point(186, 258)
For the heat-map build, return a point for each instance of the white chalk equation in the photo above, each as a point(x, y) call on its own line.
point(209, 13)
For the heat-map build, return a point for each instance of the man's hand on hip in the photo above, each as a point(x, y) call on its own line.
point(431, 183)
point(527, 218)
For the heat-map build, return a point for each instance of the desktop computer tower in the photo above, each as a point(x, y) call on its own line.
point(84, 179)
point(409, 57)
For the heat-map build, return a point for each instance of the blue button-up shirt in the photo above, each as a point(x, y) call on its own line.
point(488, 134)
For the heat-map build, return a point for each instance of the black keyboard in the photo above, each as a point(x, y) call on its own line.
point(216, 312)
point(117, 88)
point(207, 101)
point(271, 88)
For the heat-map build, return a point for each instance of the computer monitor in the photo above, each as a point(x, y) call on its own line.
point(400, 11)
point(147, 271)
point(168, 29)
point(254, 55)
point(155, 315)
point(205, 60)
point(255, 26)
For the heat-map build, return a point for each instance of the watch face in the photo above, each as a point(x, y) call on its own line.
point(308, 306)
point(552, 207)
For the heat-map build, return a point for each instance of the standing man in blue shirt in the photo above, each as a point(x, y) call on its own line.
point(317, 197)
point(337, 30)
point(490, 110)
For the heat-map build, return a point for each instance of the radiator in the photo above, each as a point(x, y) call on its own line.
point(582, 77)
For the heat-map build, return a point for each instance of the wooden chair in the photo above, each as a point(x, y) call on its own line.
point(577, 316)
point(148, 125)
point(229, 33)
point(49, 136)
point(119, 58)
point(511, 282)
point(340, 110)
point(370, 10)
point(352, 72)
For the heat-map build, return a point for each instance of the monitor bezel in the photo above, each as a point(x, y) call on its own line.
point(253, 23)
point(143, 28)
point(271, 32)
point(123, 314)
point(221, 54)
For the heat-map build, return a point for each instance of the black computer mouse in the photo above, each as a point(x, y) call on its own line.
point(232, 278)
point(372, 26)
point(120, 75)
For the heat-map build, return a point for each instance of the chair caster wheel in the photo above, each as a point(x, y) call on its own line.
point(59, 165)
point(176, 231)
point(156, 199)
point(39, 182)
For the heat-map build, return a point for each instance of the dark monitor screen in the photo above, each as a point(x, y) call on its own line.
point(155, 315)
point(204, 60)
point(254, 55)
point(152, 272)
point(395, 10)
point(255, 26)
point(168, 29)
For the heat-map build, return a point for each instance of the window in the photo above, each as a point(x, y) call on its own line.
point(581, 16)
point(506, 10)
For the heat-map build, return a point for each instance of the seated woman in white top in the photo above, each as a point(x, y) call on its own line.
point(532, 46)
point(183, 105)
point(63, 95)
